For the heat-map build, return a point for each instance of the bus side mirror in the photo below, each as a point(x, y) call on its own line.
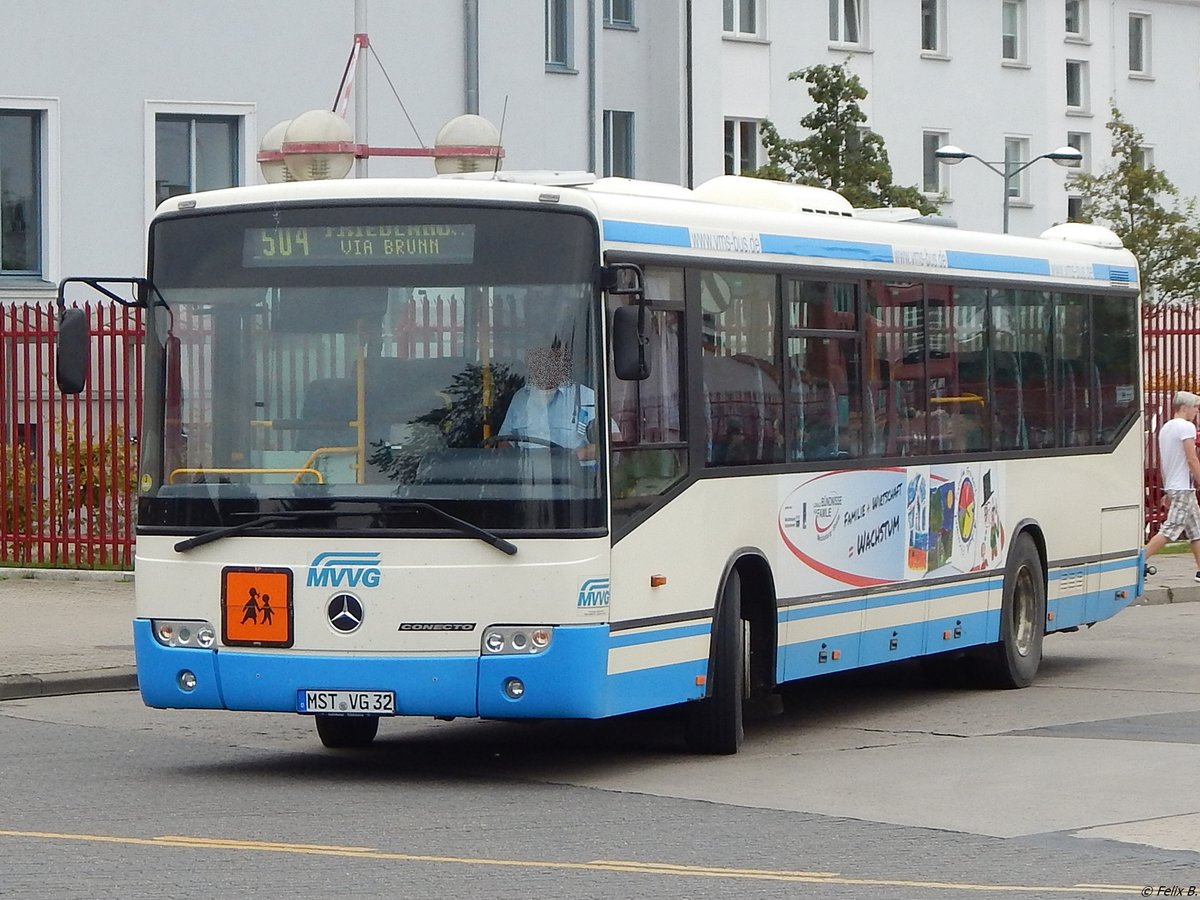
point(631, 362)
point(73, 351)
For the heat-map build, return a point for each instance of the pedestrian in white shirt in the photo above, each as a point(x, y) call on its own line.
point(1180, 468)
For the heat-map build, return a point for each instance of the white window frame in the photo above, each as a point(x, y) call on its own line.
point(735, 129)
point(50, 236)
point(931, 165)
point(937, 10)
point(245, 113)
point(1017, 34)
point(1080, 68)
point(1145, 23)
point(560, 20)
point(1018, 187)
point(610, 136)
point(611, 22)
point(840, 35)
point(732, 24)
point(1146, 156)
point(1081, 13)
point(1081, 141)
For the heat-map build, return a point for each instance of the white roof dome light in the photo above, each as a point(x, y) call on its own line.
point(759, 193)
point(1083, 233)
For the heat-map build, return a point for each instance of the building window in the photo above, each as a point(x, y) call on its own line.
point(741, 146)
point(1139, 44)
point(618, 143)
point(558, 33)
point(1016, 152)
point(848, 21)
point(618, 12)
point(933, 26)
point(20, 192)
point(194, 153)
point(1077, 19)
point(1082, 142)
point(1012, 44)
point(1074, 209)
point(1145, 157)
point(935, 175)
point(1077, 84)
point(743, 18)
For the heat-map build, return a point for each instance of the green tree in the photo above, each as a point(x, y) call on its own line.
point(1144, 208)
point(837, 153)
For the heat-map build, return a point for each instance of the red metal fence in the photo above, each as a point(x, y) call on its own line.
point(1170, 362)
point(68, 465)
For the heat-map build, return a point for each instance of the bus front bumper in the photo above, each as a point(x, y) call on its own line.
point(567, 680)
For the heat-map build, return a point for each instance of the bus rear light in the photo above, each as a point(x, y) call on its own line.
point(184, 633)
point(511, 639)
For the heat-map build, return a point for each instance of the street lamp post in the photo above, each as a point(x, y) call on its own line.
point(950, 155)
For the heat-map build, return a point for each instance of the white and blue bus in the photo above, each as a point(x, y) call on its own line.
point(785, 439)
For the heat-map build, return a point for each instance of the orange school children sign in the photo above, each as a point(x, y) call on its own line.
point(256, 607)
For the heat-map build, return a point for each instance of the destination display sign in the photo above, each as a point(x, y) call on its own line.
point(359, 245)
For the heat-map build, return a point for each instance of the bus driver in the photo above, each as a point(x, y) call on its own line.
point(550, 406)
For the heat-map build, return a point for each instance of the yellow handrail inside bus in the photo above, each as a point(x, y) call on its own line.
point(305, 470)
point(311, 462)
point(964, 398)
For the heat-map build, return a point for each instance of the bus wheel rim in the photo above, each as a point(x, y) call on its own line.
point(1023, 604)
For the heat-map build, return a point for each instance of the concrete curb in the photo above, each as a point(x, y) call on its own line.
point(1158, 596)
point(57, 684)
point(64, 574)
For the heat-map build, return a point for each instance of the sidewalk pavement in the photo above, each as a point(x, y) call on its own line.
point(69, 632)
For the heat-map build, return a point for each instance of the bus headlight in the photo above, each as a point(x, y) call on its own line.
point(515, 639)
point(184, 633)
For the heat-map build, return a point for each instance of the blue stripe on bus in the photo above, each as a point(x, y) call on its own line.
point(915, 594)
point(657, 686)
point(665, 634)
point(826, 248)
point(1118, 564)
point(1094, 606)
point(643, 233)
point(1121, 274)
point(995, 262)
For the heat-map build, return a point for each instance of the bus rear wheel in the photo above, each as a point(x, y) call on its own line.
point(1014, 661)
point(714, 724)
point(340, 732)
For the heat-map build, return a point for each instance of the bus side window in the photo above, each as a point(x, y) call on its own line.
point(743, 399)
point(648, 437)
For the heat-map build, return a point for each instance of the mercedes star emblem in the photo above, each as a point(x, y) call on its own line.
point(345, 613)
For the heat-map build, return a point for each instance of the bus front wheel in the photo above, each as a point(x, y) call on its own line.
point(338, 732)
point(714, 724)
point(1014, 661)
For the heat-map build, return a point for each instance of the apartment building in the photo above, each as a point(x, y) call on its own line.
point(105, 109)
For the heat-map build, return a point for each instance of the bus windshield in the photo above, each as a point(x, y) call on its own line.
point(365, 357)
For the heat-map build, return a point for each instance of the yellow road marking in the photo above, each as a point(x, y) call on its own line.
point(600, 865)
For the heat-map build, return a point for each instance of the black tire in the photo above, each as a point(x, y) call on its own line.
point(340, 732)
point(1014, 661)
point(715, 725)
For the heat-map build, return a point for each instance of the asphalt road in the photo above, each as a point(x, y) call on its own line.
point(1087, 784)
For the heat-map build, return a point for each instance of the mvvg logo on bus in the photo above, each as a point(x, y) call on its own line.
point(593, 593)
point(344, 569)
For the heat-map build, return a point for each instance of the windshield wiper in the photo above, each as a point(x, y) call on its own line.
point(461, 525)
point(207, 537)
